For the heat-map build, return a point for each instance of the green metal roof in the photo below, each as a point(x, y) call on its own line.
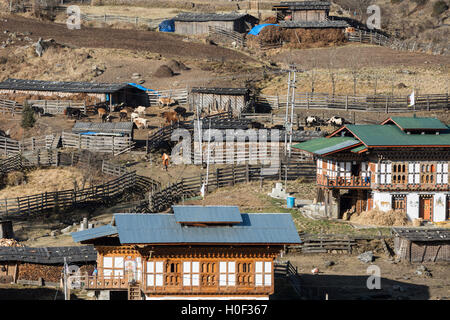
point(357, 149)
point(391, 135)
point(415, 123)
point(322, 146)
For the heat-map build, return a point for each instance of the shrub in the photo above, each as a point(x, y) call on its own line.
point(439, 7)
point(28, 119)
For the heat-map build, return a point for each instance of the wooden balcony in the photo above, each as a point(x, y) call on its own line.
point(412, 187)
point(344, 182)
point(101, 283)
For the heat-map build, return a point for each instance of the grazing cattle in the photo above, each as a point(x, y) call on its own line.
point(256, 125)
point(101, 112)
point(72, 112)
point(140, 123)
point(5, 134)
point(38, 110)
point(181, 112)
point(336, 121)
point(106, 118)
point(166, 102)
point(134, 115)
point(278, 126)
point(119, 107)
point(312, 121)
point(170, 116)
point(123, 114)
point(140, 110)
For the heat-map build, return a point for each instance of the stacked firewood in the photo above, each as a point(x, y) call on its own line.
point(32, 271)
point(9, 243)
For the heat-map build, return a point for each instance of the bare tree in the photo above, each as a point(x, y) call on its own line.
point(312, 73)
point(354, 65)
point(332, 70)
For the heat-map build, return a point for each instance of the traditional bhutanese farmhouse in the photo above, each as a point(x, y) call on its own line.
point(112, 93)
point(199, 252)
point(216, 100)
point(306, 14)
point(198, 23)
point(400, 164)
point(422, 245)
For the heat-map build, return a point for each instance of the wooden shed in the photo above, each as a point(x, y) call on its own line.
point(216, 100)
point(422, 245)
point(112, 93)
point(302, 10)
point(198, 23)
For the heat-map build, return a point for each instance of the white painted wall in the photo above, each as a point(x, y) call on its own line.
point(412, 206)
point(440, 200)
point(382, 200)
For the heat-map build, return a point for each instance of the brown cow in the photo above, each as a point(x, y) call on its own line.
point(170, 116)
point(123, 114)
point(166, 101)
point(101, 112)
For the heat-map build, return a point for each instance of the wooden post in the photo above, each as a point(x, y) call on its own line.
point(346, 102)
point(387, 101)
point(428, 103)
point(247, 173)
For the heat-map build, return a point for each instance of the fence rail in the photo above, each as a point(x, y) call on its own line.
point(57, 106)
point(368, 103)
point(10, 106)
point(107, 18)
point(106, 144)
point(227, 34)
point(11, 147)
point(179, 95)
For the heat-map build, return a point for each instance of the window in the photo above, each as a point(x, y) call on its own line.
point(154, 273)
point(414, 173)
point(113, 267)
point(319, 166)
point(385, 173)
point(227, 273)
point(442, 173)
point(263, 273)
point(399, 202)
point(191, 272)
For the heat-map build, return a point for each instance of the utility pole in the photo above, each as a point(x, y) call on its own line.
point(290, 100)
point(66, 291)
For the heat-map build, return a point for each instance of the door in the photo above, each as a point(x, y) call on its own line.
point(426, 207)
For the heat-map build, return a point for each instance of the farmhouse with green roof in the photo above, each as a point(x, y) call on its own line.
point(400, 164)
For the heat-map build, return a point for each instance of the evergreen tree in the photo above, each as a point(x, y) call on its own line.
point(28, 119)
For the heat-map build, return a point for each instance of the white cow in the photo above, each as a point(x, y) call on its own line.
point(141, 123)
point(312, 121)
point(140, 110)
point(134, 115)
point(336, 121)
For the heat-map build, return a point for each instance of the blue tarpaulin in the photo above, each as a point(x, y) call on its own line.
point(167, 26)
point(140, 87)
point(257, 29)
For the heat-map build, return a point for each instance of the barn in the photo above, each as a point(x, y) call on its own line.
point(104, 128)
point(189, 23)
point(112, 93)
point(43, 265)
point(216, 100)
point(422, 245)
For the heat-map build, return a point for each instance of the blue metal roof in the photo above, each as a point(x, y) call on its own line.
point(154, 228)
point(94, 233)
point(215, 214)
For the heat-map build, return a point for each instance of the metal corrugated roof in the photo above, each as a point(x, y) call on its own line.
point(227, 91)
point(215, 214)
point(420, 234)
point(83, 87)
point(125, 127)
point(203, 17)
point(103, 231)
point(416, 123)
point(303, 5)
point(255, 228)
point(322, 146)
point(391, 135)
point(314, 24)
point(48, 255)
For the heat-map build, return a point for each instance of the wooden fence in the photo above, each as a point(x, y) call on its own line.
point(106, 144)
point(11, 147)
point(190, 187)
point(372, 37)
point(367, 103)
point(224, 34)
point(63, 200)
point(10, 106)
point(57, 106)
point(107, 18)
point(179, 95)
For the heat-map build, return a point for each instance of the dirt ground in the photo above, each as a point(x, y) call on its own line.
point(347, 278)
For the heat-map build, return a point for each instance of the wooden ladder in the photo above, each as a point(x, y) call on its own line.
point(134, 292)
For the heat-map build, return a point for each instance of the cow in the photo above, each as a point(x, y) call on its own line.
point(312, 121)
point(170, 116)
point(256, 125)
point(123, 114)
point(106, 117)
point(72, 112)
point(134, 115)
point(166, 102)
point(140, 110)
point(181, 112)
point(5, 133)
point(101, 112)
point(140, 123)
point(336, 121)
point(38, 110)
point(119, 107)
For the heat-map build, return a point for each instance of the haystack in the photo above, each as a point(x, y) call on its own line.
point(177, 65)
point(381, 218)
point(164, 71)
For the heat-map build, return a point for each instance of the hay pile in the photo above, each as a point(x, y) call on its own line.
point(299, 38)
point(9, 243)
point(164, 71)
point(381, 218)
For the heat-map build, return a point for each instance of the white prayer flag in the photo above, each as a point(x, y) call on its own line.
point(411, 99)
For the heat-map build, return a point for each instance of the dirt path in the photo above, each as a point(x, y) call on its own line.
point(166, 44)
